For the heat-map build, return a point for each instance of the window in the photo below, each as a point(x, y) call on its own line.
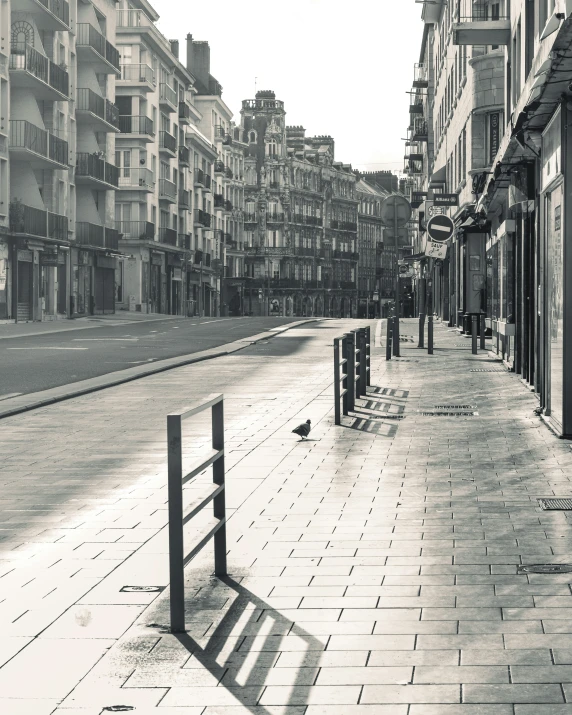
point(252, 138)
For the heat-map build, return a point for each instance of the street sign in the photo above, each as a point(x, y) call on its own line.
point(395, 209)
point(402, 237)
point(405, 271)
point(440, 229)
point(446, 199)
point(436, 249)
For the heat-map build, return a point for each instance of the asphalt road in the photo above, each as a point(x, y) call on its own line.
point(39, 362)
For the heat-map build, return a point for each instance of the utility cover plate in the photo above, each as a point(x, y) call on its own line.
point(141, 589)
point(454, 407)
point(449, 414)
point(555, 504)
point(488, 369)
point(545, 568)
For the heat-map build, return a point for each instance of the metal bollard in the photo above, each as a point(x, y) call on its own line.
point(363, 361)
point(430, 335)
point(483, 330)
point(396, 345)
point(421, 343)
point(474, 333)
point(357, 342)
point(389, 336)
point(337, 382)
point(368, 341)
point(351, 365)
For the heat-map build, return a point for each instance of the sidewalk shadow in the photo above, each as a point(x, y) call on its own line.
point(252, 630)
point(381, 426)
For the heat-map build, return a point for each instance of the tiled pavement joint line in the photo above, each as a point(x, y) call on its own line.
point(25, 403)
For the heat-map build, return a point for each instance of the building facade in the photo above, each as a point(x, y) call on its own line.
point(370, 248)
point(497, 104)
point(300, 218)
point(58, 243)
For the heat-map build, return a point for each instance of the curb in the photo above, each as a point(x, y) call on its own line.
point(25, 403)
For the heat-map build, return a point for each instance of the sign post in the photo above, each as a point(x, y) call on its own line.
point(395, 214)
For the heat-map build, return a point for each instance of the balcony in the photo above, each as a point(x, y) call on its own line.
point(49, 14)
point(274, 217)
point(96, 111)
point(218, 201)
point(94, 49)
point(137, 126)
point(228, 173)
point(168, 236)
point(184, 241)
point(36, 146)
point(221, 133)
point(184, 156)
point(250, 218)
point(228, 206)
point(29, 69)
point(202, 218)
point(29, 221)
point(421, 76)
point(96, 236)
point(184, 199)
point(184, 113)
point(420, 130)
point(141, 230)
point(304, 251)
point(167, 191)
point(137, 75)
point(484, 26)
point(348, 285)
point(129, 21)
point(136, 179)
point(202, 179)
point(219, 167)
point(168, 98)
point(416, 106)
point(167, 144)
point(95, 172)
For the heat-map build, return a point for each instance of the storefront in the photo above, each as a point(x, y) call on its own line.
point(104, 279)
point(5, 279)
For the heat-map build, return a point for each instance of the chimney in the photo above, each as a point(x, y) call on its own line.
point(199, 62)
point(175, 47)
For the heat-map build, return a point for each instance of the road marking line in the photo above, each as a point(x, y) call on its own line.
point(11, 394)
point(47, 348)
point(99, 340)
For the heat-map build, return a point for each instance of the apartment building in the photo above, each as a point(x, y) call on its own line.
point(227, 219)
point(300, 217)
point(370, 247)
point(58, 243)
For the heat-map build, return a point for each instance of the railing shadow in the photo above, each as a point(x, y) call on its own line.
point(259, 625)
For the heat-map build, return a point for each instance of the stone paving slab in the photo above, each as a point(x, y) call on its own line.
point(373, 568)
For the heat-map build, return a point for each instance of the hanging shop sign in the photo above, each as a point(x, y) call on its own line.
point(494, 135)
point(445, 199)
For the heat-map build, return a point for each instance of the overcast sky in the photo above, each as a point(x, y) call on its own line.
point(341, 67)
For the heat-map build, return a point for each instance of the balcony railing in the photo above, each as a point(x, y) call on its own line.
point(421, 76)
point(25, 135)
point(228, 205)
point(138, 73)
point(25, 58)
point(483, 26)
point(184, 241)
point(219, 167)
point(184, 155)
point(184, 199)
point(202, 179)
point(250, 218)
point(221, 133)
point(218, 201)
point(274, 217)
point(94, 167)
point(184, 112)
point(89, 101)
point(420, 131)
point(416, 107)
point(88, 36)
point(92, 234)
point(37, 222)
point(136, 125)
point(59, 8)
point(143, 230)
point(138, 18)
point(167, 190)
point(228, 173)
point(168, 142)
point(136, 178)
point(202, 218)
point(168, 96)
point(168, 236)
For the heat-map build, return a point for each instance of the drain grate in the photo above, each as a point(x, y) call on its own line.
point(384, 417)
point(489, 369)
point(449, 414)
point(545, 568)
point(403, 360)
point(454, 407)
point(555, 504)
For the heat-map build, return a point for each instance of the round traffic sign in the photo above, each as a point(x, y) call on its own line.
point(395, 211)
point(440, 228)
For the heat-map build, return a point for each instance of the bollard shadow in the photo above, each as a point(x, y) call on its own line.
point(380, 426)
point(257, 638)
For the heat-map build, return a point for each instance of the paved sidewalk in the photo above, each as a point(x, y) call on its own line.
point(373, 568)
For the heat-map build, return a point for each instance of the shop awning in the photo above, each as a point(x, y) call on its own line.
point(438, 177)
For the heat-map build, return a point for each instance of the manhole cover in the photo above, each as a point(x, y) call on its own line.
point(384, 417)
point(545, 568)
point(449, 414)
point(141, 589)
point(555, 504)
point(488, 369)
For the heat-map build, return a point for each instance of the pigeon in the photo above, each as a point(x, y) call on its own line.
point(304, 429)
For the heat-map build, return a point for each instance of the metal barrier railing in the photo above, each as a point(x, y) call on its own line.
point(356, 364)
point(177, 519)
